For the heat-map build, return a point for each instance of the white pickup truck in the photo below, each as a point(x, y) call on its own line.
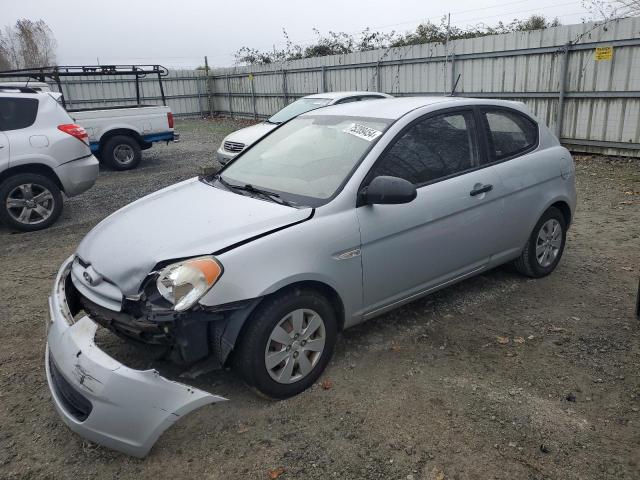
point(118, 134)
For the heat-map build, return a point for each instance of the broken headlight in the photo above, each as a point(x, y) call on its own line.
point(184, 283)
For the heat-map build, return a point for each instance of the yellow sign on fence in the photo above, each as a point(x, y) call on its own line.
point(604, 53)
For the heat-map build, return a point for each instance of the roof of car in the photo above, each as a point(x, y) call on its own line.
point(17, 93)
point(340, 95)
point(394, 108)
point(24, 83)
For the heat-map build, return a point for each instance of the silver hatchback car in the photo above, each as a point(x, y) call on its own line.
point(337, 216)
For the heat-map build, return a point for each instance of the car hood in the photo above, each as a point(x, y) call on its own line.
point(184, 220)
point(251, 134)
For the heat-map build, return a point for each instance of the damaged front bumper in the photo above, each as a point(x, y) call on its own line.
point(98, 397)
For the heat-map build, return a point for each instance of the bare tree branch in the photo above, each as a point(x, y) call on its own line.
point(27, 44)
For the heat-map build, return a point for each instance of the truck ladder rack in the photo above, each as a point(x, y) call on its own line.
point(54, 73)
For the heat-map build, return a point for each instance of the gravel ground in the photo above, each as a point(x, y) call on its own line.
point(497, 377)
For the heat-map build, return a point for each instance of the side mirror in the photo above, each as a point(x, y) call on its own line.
point(388, 190)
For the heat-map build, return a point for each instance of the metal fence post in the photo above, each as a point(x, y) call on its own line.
point(284, 87)
point(638, 302)
point(67, 101)
point(229, 95)
point(453, 72)
point(562, 89)
point(208, 86)
point(199, 92)
point(137, 90)
point(323, 78)
point(378, 78)
point(253, 97)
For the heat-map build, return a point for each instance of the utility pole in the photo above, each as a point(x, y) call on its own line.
point(446, 55)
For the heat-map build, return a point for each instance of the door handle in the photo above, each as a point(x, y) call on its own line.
point(479, 190)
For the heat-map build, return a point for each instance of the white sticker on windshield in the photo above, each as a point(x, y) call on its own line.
point(360, 131)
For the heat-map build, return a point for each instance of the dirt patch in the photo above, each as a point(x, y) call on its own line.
point(427, 391)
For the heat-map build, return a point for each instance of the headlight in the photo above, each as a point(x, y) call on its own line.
point(184, 283)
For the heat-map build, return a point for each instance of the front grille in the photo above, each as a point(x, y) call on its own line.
point(76, 404)
point(233, 147)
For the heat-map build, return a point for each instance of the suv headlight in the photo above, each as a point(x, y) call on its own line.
point(184, 283)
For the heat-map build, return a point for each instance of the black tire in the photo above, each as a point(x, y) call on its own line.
point(121, 152)
point(528, 263)
point(39, 183)
point(250, 359)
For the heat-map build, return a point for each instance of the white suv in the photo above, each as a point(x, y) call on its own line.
point(42, 153)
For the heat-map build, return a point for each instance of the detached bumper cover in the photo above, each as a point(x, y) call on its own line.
point(101, 399)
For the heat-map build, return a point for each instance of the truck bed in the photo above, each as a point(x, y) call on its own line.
point(145, 123)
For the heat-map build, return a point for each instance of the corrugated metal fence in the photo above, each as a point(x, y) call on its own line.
point(581, 80)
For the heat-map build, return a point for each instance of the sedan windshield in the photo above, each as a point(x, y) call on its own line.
point(298, 108)
point(308, 159)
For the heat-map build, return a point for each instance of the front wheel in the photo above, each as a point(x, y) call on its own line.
point(288, 343)
point(545, 245)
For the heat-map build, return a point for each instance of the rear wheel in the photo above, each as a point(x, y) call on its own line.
point(121, 152)
point(288, 343)
point(29, 201)
point(545, 246)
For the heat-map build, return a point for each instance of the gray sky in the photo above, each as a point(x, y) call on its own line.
point(180, 33)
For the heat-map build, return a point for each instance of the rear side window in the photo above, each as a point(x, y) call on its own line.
point(510, 134)
point(431, 149)
point(359, 99)
point(348, 100)
point(17, 113)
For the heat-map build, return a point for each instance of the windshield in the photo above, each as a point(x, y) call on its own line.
point(298, 108)
point(308, 158)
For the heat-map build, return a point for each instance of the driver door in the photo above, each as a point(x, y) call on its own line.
point(449, 231)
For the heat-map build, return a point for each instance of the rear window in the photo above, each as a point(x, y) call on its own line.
point(17, 113)
point(510, 133)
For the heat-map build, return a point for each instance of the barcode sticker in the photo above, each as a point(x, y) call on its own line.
point(360, 131)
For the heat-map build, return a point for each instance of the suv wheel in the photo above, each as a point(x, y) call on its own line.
point(122, 153)
point(545, 245)
point(29, 202)
point(288, 343)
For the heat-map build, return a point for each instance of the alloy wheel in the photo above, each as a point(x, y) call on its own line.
point(548, 242)
point(30, 203)
point(295, 346)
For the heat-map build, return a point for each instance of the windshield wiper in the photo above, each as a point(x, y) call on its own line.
point(273, 196)
point(265, 193)
point(272, 122)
